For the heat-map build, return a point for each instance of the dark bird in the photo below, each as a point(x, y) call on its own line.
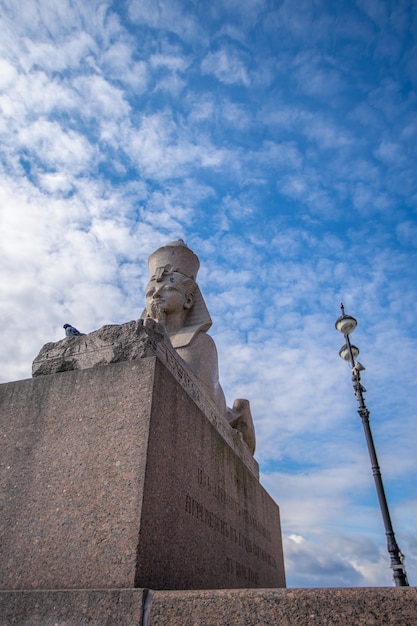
point(70, 331)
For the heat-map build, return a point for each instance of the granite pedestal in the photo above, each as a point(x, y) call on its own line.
point(123, 494)
point(113, 477)
point(396, 606)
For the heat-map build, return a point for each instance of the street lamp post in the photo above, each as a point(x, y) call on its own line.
point(346, 324)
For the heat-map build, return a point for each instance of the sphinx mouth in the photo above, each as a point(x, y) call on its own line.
point(158, 312)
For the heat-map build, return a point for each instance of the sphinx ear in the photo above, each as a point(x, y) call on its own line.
point(189, 300)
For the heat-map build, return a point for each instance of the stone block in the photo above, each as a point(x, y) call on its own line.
point(110, 344)
point(132, 341)
point(245, 607)
point(114, 477)
point(396, 606)
point(97, 607)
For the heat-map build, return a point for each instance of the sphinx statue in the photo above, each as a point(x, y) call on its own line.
point(174, 300)
point(176, 310)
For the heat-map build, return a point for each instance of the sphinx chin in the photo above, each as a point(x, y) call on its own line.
point(158, 313)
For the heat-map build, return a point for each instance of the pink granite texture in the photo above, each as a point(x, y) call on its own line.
point(96, 607)
point(286, 607)
point(246, 607)
point(130, 342)
point(113, 477)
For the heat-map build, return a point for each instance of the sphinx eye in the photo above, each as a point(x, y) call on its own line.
point(150, 293)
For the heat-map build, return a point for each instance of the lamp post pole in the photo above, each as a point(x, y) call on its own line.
point(346, 324)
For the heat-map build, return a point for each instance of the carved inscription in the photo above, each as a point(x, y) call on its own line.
point(188, 382)
point(220, 494)
point(170, 358)
point(219, 525)
point(217, 490)
point(212, 520)
point(241, 571)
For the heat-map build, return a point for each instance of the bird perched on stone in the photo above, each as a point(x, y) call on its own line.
point(70, 331)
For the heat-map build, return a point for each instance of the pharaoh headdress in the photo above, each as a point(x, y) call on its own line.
point(176, 257)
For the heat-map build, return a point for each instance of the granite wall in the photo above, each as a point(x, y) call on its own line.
point(248, 607)
point(113, 477)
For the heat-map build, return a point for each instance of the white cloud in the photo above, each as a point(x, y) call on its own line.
point(43, 19)
point(340, 561)
point(100, 99)
point(227, 65)
point(169, 15)
point(162, 149)
point(407, 233)
point(35, 94)
point(390, 152)
point(317, 76)
point(8, 74)
point(57, 57)
point(64, 259)
point(170, 62)
point(235, 116)
point(119, 65)
point(201, 109)
point(56, 148)
point(55, 182)
point(172, 83)
point(240, 11)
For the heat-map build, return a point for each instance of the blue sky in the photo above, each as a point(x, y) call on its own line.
point(278, 139)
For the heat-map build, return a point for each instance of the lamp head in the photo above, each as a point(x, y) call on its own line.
point(345, 324)
point(344, 352)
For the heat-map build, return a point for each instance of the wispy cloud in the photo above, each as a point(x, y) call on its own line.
point(227, 65)
point(169, 15)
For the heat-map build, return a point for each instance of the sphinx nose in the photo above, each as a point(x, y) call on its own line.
point(157, 292)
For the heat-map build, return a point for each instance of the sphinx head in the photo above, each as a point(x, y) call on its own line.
point(172, 295)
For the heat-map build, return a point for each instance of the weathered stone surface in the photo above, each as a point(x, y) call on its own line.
point(130, 342)
point(98, 607)
point(395, 606)
point(109, 344)
point(110, 483)
point(246, 607)
point(72, 476)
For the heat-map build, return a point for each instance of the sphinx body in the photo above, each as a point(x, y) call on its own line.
point(173, 299)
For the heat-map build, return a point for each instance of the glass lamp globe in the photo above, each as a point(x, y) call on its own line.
point(346, 324)
point(345, 354)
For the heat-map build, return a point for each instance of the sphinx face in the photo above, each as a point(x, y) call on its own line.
point(166, 297)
